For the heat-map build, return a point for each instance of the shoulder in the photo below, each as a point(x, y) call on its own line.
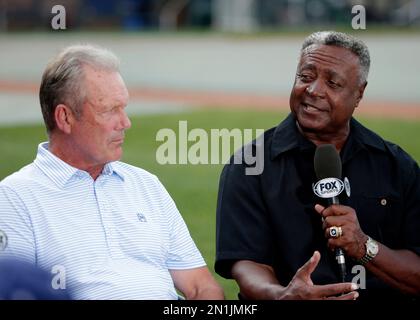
point(17, 188)
point(267, 136)
point(373, 139)
point(399, 153)
point(403, 163)
point(246, 166)
point(263, 141)
point(22, 179)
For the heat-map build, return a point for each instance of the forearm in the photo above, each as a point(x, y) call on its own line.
point(256, 281)
point(197, 284)
point(398, 268)
point(212, 292)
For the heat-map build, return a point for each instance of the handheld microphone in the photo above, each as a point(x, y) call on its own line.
point(328, 169)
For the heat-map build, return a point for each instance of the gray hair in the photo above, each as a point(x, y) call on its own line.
point(339, 39)
point(62, 81)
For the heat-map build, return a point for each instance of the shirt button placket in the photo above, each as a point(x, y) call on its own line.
point(104, 212)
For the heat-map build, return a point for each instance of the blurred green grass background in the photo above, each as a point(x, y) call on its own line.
point(193, 187)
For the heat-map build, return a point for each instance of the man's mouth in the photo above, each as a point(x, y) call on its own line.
point(118, 140)
point(311, 108)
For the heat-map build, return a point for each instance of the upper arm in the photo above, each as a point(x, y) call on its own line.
point(182, 250)
point(16, 227)
point(243, 230)
point(412, 210)
point(185, 262)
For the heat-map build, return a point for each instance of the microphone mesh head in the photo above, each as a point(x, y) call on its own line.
point(327, 162)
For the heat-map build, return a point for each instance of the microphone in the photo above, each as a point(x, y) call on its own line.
point(328, 169)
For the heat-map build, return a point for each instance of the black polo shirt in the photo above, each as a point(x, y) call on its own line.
point(270, 218)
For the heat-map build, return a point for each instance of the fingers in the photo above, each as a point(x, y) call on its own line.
point(348, 296)
point(302, 287)
point(306, 270)
point(333, 210)
point(344, 291)
point(327, 233)
point(335, 243)
point(319, 208)
point(330, 221)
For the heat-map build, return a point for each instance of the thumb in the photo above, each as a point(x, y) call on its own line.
point(306, 270)
point(319, 208)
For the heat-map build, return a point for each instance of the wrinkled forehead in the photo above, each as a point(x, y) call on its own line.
point(329, 56)
point(105, 85)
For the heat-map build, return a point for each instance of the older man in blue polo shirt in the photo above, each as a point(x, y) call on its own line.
point(111, 229)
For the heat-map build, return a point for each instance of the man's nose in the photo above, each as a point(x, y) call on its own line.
point(125, 121)
point(316, 89)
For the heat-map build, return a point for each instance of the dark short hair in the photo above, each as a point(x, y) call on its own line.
point(62, 81)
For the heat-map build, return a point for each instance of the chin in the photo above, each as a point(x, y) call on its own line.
point(310, 125)
point(115, 156)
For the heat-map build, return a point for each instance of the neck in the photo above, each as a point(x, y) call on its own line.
point(70, 154)
point(338, 138)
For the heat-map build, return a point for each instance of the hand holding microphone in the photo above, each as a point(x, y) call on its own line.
point(352, 239)
point(339, 222)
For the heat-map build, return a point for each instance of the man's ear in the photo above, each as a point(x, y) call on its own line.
point(64, 118)
point(360, 92)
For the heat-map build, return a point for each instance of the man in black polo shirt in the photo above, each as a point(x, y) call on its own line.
point(271, 237)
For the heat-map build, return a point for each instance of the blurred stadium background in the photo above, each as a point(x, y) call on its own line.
point(215, 63)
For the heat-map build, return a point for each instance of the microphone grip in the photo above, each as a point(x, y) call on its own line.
point(341, 260)
point(339, 254)
point(335, 200)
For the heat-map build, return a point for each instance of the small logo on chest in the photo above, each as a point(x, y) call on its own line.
point(141, 217)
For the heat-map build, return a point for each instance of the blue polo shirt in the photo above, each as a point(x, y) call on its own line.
point(113, 238)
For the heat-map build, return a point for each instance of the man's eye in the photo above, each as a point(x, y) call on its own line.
point(304, 77)
point(333, 84)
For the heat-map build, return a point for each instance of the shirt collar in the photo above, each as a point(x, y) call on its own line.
point(286, 137)
point(360, 138)
point(366, 136)
point(60, 172)
point(112, 168)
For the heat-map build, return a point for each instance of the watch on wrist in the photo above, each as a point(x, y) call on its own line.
point(372, 249)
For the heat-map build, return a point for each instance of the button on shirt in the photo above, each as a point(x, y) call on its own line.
point(114, 238)
point(270, 218)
